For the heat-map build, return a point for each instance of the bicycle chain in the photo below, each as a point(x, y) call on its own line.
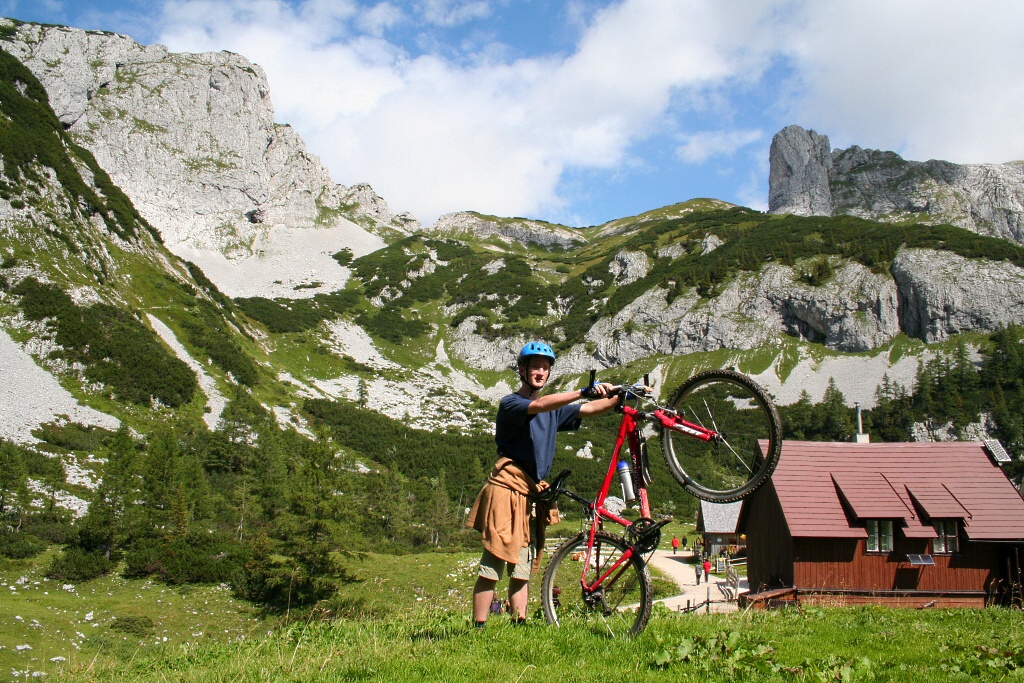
point(644, 535)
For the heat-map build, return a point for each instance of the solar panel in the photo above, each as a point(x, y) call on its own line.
point(997, 451)
point(920, 560)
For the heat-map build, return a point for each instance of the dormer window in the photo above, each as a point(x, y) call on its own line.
point(879, 535)
point(947, 539)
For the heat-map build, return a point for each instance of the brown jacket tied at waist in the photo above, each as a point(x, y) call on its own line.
point(501, 512)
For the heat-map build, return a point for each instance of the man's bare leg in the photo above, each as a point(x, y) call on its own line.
point(483, 594)
point(518, 593)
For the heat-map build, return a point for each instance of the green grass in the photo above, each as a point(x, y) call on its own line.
point(818, 645)
point(408, 621)
point(73, 621)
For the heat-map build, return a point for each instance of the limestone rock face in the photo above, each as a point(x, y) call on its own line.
point(982, 198)
point(800, 164)
point(928, 295)
point(629, 266)
point(518, 230)
point(807, 178)
point(855, 311)
point(191, 139)
point(941, 293)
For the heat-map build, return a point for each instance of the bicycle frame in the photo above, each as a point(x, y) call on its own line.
point(629, 433)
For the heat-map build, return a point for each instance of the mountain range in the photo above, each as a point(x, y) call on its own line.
point(165, 244)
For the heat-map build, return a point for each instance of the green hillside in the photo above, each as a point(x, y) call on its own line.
point(279, 500)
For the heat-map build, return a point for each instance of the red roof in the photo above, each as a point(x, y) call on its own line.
point(828, 489)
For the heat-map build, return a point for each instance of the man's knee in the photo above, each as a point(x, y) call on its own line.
point(484, 583)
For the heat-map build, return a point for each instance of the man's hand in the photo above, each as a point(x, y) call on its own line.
point(596, 390)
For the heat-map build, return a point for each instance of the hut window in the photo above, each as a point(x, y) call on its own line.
point(947, 540)
point(879, 535)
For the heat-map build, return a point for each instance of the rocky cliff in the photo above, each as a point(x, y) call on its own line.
point(191, 139)
point(509, 230)
point(808, 178)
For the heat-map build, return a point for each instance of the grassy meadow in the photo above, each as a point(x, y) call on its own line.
point(405, 618)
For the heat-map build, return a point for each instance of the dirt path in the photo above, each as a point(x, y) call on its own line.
point(679, 569)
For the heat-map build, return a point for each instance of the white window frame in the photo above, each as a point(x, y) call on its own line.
point(947, 541)
point(879, 535)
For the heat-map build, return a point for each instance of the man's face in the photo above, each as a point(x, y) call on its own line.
point(537, 371)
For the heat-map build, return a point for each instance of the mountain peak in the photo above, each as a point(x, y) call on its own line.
point(808, 178)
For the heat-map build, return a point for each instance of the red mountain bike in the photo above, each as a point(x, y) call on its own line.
point(721, 437)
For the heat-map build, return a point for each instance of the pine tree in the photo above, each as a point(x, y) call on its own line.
point(891, 419)
point(13, 479)
point(439, 514)
point(834, 418)
point(798, 418)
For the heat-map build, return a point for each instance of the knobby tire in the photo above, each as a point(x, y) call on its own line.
point(624, 606)
point(743, 413)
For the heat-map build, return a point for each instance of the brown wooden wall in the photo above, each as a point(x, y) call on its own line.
point(769, 545)
point(775, 559)
point(825, 563)
point(910, 600)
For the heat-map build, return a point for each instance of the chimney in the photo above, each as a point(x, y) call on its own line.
point(860, 437)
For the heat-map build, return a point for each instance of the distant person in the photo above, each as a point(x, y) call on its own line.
point(525, 431)
point(684, 541)
point(675, 545)
point(699, 568)
point(707, 570)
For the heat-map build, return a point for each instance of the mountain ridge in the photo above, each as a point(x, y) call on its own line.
point(443, 308)
point(808, 178)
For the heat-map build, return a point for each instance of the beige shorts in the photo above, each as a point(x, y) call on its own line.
point(493, 568)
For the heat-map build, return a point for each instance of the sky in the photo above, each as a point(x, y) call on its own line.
point(583, 111)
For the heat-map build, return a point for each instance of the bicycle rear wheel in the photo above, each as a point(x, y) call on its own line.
point(620, 606)
point(732, 466)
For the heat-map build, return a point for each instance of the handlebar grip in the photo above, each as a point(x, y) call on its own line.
point(588, 391)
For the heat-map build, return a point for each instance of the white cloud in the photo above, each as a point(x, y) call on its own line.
point(433, 135)
point(698, 147)
point(453, 12)
point(463, 126)
point(931, 80)
point(379, 18)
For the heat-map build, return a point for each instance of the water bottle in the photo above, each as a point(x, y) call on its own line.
point(626, 479)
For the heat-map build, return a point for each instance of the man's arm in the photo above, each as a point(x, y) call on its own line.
point(598, 406)
point(551, 402)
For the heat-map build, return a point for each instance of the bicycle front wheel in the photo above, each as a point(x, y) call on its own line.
point(619, 606)
point(749, 440)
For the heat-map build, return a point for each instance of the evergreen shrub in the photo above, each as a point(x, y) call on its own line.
point(114, 346)
point(76, 564)
point(192, 558)
point(19, 545)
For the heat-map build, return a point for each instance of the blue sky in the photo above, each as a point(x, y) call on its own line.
point(583, 111)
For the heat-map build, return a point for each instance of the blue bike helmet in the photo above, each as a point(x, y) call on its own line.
point(536, 349)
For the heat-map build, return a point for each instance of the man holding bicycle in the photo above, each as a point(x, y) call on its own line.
point(525, 432)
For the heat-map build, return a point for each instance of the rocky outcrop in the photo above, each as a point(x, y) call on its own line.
point(518, 230)
point(800, 165)
point(807, 178)
point(629, 266)
point(191, 139)
point(941, 293)
point(855, 311)
point(928, 295)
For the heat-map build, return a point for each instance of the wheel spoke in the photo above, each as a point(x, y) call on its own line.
point(619, 606)
point(740, 413)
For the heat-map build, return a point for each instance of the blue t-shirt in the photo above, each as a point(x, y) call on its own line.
point(530, 439)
